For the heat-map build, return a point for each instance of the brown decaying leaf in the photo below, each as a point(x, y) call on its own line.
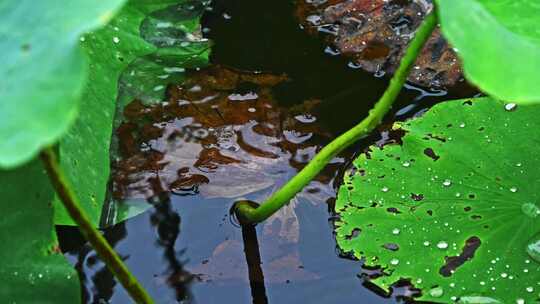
point(375, 33)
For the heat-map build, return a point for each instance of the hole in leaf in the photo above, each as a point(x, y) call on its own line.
point(417, 197)
point(391, 246)
point(431, 154)
point(467, 253)
point(354, 234)
point(393, 210)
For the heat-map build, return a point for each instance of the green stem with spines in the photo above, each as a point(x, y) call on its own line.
point(247, 213)
point(98, 242)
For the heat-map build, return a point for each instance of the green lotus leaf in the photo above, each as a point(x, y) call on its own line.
point(454, 208)
point(499, 44)
point(33, 270)
point(126, 63)
point(43, 70)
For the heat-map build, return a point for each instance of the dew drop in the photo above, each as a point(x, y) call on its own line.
point(406, 164)
point(442, 245)
point(426, 243)
point(529, 289)
point(436, 292)
point(510, 106)
point(533, 248)
point(513, 189)
point(384, 189)
point(447, 183)
point(394, 262)
point(395, 231)
point(520, 301)
point(530, 210)
point(462, 125)
point(116, 39)
point(478, 300)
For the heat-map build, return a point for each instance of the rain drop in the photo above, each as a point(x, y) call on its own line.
point(447, 183)
point(442, 245)
point(436, 292)
point(478, 300)
point(116, 39)
point(530, 210)
point(395, 231)
point(513, 189)
point(529, 289)
point(533, 248)
point(406, 164)
point(510, 106)
point(384, 189)
point(394, 262)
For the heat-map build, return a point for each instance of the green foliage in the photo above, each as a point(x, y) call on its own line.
point(116, 52)
point(33, 270)
point(42, 71)
point(454, 207)
point(499, 43)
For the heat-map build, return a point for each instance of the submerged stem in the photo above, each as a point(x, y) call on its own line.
point(100, 244)
point(246, 213)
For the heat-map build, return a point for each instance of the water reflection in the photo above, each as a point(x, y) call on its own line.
point(227, 133)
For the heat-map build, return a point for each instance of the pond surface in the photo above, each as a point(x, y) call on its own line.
point(281, 97)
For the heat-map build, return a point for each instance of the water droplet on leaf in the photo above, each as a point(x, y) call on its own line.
point(478, 300)
point(442, 245)
point(436, 292)
point(530, 210)
point(533, 248)
point(510, 106)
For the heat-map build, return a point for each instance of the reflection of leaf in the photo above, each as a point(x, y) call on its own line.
point(284, 224)
point(228, 263)
point(33, 270)
point(499, 44)
point(452, 208)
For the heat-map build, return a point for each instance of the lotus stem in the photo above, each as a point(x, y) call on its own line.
point(98, 242)
point(249, 214)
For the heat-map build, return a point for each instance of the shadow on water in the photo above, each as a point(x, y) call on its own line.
point(186, 251)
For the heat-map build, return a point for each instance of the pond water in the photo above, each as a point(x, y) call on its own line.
point(292, 97)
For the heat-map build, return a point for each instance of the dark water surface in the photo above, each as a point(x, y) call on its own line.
point(186, 250)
